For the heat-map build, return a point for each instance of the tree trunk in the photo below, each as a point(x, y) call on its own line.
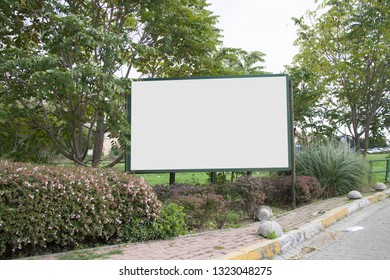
point(77, 142)
point(366, 142)
point(116, 161)
point(356, 140)
point(98, 140)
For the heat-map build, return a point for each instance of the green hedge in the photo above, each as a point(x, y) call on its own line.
point(212, 206)
point(203, 207)
point(49, 209)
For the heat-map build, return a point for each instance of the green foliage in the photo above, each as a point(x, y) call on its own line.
point(346, 51)
point(171, 222)
point(227, 61)
point(309, 114)
point(236, 61)
point(271, 235)
point(222, 177)
point(62, 75)
point(179, 38)
point(379, 163)
point(338, 168)
point(204, 206)
point(66, 66)
point(48, 209)
point(219, 206)
point(278, 190)
point(60, 60)
point(89, 255)
point(203, 210)
point(167, 192)
point(249, 192)
point(234, 218)
point(20, 141)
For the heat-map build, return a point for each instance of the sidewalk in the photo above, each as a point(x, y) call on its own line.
point(242, 243)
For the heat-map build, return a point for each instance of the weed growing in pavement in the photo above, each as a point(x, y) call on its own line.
point(271, 235)
point(89, 255)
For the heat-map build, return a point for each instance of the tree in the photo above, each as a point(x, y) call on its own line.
point(174, 38)
point(236, 61)
point(60, 62)
point(349, 47)
point(20, 141)
point(310, 114)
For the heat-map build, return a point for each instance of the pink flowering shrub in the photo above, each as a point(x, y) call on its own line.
point(49, 209)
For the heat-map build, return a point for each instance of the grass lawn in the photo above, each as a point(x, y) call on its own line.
point(378, 166)
point(201, 178)
point(193, 178)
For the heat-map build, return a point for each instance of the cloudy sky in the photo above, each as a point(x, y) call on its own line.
point(261, 25)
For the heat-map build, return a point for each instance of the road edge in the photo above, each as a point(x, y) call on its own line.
point(266, 249)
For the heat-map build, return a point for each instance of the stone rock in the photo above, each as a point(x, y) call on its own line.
point(354, 195)
point(379, 187)
point(264, 213)
point(268, 228)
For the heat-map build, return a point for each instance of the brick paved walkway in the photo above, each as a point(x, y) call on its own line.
point(213, 244)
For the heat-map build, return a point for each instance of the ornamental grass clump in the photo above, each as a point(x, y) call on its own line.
point(338, 168)
point(49, 209)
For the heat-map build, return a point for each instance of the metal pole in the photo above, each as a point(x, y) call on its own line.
point(127, 155)
point(370, 173)
point(213, 177)
point(172, 177)
point(294, 202)
point(387, 171)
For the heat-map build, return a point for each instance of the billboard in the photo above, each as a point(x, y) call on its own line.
point(210, 124)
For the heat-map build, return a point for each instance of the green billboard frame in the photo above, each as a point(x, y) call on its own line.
point(213, 170)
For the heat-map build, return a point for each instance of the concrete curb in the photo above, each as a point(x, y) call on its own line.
point(267, 249)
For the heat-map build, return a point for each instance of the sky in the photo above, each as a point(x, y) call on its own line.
point(261, 25)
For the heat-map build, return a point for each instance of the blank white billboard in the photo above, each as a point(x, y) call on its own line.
point(239, 123)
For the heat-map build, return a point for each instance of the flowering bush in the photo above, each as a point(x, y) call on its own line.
point(48, 209)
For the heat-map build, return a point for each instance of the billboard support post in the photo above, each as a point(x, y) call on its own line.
point(294, 204)
point(213, 178)
point(172, 177)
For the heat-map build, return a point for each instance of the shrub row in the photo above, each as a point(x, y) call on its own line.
point(48, 209)
point(203, 206)
point(256, 191)
point(211, 205)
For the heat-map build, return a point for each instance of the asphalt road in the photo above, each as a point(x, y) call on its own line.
point(364, 235)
